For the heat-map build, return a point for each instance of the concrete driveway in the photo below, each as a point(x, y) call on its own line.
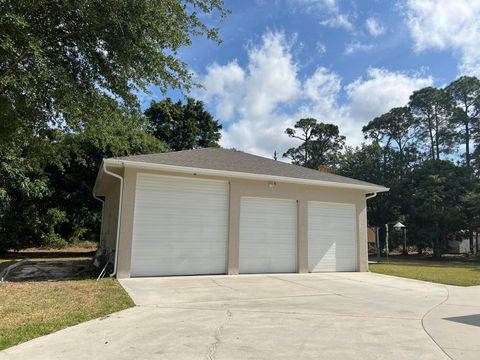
point(294, 316)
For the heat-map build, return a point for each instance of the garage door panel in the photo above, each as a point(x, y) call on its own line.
point(331, 237)
point(268, 233)
point(180, 226)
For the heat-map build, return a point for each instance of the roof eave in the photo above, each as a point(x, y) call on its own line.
point(242, 175)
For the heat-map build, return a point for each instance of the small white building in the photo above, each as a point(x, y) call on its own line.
point(462, 246)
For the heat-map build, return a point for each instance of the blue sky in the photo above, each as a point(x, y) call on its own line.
point(339, 61)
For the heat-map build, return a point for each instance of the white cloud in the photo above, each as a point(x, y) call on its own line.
point(223, 84)
point(267, 95)
point(272, 75)
point(268, 82)
point(366, 98)
point(321, 48)
point(316, 6)
point(338, 21)
point(374, 28)
point(322, 88)
point(447, 24)
point(381, 91)
point(327, 10)
point(355, 47)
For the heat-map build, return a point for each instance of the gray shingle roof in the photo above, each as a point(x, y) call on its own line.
point(238, 161)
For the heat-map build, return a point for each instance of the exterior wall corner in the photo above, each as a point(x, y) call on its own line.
point(233, 255)
point(362, 252)
point(126, 229)
point(302, 236)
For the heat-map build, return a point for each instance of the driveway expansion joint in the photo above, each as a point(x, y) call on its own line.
point(428, 312)
point(225, 286)
point(294, 313)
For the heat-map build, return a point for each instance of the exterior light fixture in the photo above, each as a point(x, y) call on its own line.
point(400, 227)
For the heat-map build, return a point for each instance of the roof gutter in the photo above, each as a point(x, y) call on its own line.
point(241, 175)
point(119, 216)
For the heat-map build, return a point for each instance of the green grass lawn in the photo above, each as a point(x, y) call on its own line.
point(443, 272)
point(36, 307)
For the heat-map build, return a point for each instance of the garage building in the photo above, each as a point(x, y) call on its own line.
point(217, 211)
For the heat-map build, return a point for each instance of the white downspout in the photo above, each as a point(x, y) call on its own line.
point(119, 216)
point(370, 196)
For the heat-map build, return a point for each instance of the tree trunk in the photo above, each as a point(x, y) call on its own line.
point(305, 159)
point(467, 133)
point(470, 236)
point(437, 145)
point(467, 145)
point(401, 160)
point(432, 141)
point(438, 247)
point(476, 241)
point(404, 251)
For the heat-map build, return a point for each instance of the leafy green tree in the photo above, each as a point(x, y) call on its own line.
point(437, 193)
point(465, 95)
point(321, 144)
point(364, 163)
point(431, 108)
point(24, 184)
point(436, 212)
point(181, 126)
point(67, 67)
point(471, 207)
point(22, 188)
point(476, 160)
point(302, 154)
point(48, 201)
point(394, 129)
point(376, 164)
point(79, 157)
point(57, 58)
point(394, 126)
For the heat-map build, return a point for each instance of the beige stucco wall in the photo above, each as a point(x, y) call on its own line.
point(303, 194)
point(110, 215)
point(239, 188)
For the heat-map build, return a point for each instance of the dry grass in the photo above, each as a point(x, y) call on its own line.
point(83, 246)
point(32, 309)
point(40, 306)
point(81, 251)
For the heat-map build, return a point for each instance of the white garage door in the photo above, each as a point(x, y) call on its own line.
point(180, 226)
point(268, 235)
point(331, 237)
